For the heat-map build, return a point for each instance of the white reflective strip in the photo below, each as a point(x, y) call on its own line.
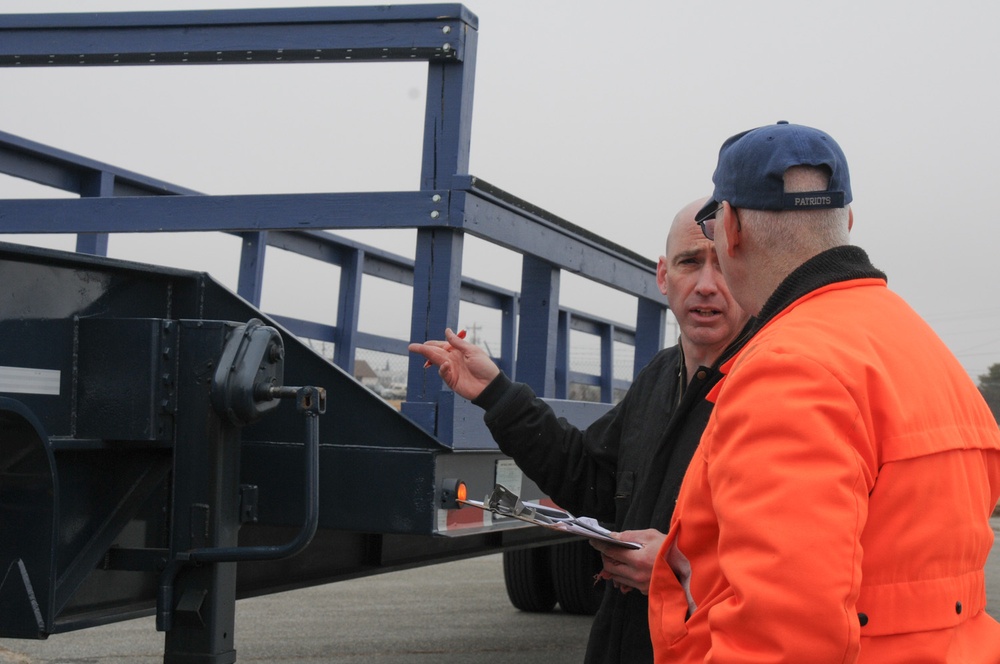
point(22, 380)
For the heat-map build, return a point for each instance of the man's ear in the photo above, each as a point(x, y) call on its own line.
point(850, 219)
point(732, 225)
point(661, 274)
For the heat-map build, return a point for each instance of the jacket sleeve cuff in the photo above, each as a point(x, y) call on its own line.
point(493, 393)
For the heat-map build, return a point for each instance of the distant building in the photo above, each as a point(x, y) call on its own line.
point(366, 375)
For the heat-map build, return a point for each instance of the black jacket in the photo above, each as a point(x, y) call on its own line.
point(625, 469)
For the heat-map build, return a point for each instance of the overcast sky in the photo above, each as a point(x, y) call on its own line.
point(609, 114)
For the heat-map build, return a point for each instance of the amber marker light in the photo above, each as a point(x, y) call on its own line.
point(453, 493)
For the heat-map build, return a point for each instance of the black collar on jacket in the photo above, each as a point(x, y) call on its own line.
point(829, 267)
point(737, 343)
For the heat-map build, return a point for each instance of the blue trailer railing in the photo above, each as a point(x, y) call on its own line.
point(367, 440)
point(448, 204)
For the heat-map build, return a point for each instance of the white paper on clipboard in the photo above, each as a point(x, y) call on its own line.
point(504, 502)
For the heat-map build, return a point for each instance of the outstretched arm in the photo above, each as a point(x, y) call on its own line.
point(464, 367)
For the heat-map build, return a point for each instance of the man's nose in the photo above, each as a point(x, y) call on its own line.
point(708, 279)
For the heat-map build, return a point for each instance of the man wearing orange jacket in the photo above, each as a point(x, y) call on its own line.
point(837, 508)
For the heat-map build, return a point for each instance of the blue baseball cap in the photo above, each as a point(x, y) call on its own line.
point(752, 166)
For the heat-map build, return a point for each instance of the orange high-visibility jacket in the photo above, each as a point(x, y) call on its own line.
point(837, 509)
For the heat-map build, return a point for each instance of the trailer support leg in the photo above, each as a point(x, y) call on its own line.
point(205, 509)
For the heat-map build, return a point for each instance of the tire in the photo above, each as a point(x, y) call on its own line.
point(527, 576)
point(574, 565)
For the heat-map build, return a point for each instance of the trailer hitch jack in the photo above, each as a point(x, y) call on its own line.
point(247, 384)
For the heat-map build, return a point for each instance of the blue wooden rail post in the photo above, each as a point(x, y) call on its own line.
point(538, 330)
point(562, 355)
point(650, 330)
point(98, 183)
point(348, 309)
point(437, 276)
point(509, 312)
point(251, 278)
point(607, 363)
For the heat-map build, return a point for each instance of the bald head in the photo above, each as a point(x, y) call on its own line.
point(688, 274)
point(683, 219)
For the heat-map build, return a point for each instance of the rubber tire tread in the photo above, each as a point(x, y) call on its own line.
point(528, 579)
point(574, 566)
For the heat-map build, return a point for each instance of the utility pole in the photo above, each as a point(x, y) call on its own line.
point(474, 330)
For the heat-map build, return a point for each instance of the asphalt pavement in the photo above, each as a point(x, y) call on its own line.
point(452, 613)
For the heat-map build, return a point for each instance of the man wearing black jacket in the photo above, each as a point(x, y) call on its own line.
point(625, 469)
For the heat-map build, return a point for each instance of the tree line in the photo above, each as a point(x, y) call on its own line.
point(989, 386)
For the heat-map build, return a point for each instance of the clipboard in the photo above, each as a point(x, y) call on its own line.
point(504, 502)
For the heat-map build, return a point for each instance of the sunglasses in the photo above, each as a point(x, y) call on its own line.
point(707, 223)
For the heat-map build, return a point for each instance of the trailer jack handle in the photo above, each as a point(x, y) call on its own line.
point(250, 351)
point(311, 401)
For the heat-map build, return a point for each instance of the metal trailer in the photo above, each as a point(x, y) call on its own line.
point(167, 447)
